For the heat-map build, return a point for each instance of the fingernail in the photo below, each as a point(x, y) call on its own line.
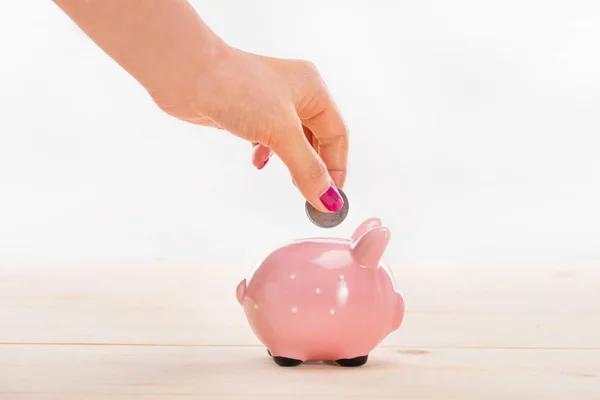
point(263, 165)
point(332, 200)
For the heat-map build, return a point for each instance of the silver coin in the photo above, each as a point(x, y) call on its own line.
point(327, 220)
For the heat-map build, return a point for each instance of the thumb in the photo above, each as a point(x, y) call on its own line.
point(306, 167)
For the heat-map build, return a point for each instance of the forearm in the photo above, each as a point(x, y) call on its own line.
point(161, 43)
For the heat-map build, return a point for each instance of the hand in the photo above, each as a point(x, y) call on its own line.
point(280, 106)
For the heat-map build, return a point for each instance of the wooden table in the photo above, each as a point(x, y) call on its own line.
point(175, 331)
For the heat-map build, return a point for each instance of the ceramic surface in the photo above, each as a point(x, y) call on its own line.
point(324, 298)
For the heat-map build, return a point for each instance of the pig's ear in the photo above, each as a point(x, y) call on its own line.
point(368, 249)
point(365, 227)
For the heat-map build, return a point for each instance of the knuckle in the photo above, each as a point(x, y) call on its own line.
point(309, 67)
point(309, 71)
point(312, 104)
point(313, 97)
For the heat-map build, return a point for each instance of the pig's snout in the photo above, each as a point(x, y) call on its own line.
point(240, 291)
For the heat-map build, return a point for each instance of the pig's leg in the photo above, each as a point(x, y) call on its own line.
point(286, 362)
point(352, 362)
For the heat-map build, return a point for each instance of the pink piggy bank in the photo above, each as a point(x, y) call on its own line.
point(324, 299)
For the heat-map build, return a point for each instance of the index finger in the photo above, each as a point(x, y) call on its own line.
point(329, 129)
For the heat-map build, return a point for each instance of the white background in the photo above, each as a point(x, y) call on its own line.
point(475, 136)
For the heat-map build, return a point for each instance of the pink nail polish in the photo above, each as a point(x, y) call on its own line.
point(332, 200)
point(262, 166)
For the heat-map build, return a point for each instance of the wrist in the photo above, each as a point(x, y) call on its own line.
point(190, 56)
point(196, 56)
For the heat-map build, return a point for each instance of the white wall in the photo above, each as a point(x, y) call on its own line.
point(475, 135)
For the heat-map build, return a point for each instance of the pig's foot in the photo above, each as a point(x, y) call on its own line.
point(352, 362)
point(286, 362)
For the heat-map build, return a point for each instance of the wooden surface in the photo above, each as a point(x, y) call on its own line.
point(174, 330)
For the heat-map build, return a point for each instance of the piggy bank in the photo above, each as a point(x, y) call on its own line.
point(324, 299)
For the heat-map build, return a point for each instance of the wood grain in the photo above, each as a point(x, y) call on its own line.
point(229, 372)
point(193, 303)
point(174, 330)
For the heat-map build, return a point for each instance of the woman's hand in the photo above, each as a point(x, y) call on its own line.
point(280, 106)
